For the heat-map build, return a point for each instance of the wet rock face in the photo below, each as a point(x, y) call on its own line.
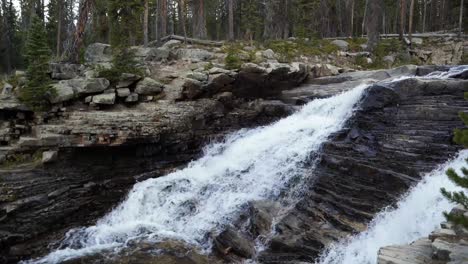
point(401, 130)
point(100, 155)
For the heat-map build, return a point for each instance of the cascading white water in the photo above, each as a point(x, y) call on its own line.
point(417, 214)
point(188, 204)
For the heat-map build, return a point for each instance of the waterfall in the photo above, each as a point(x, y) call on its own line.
point(416, 215)
point(189, 204)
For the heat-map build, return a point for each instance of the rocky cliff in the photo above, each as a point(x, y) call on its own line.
point(67, 167)
point(401, 130)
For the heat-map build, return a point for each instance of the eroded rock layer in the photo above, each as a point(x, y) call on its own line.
point(401, 130)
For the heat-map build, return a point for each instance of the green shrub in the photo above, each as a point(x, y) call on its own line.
point(355, 44)
point(123, 61)
point(232, 60)
point(461, 180)
point(286, 50)
point(208, 66)
point(361, 60)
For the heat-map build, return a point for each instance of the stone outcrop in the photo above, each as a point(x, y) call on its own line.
point(68, 166)
point(448, 245)
point(401, 130)
point(98, 53)
point(71, 89)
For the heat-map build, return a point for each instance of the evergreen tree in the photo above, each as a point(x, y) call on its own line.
point(37, 90)
point(461, 137)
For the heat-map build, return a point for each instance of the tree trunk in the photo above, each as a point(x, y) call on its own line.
point(6, 37)
point(374, 24)
point(276, 19)
point(199, 21)
point(163, 18)
point(402, 19)
point(182, 19)
point(410, 30)
point(85, 8)
point(365, 17)
point(460, 22)
point(145, 24)
point(59, 25)
point(231, 19)
point(157, 33)
point(424, 16)
point(352, 19)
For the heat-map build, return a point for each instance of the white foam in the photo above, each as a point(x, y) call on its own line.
point(189, 204)
point(417, 214)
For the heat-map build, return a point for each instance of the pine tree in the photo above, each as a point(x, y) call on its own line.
point(37, 90)
point(461, 137)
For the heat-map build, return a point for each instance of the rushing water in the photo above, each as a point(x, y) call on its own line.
point(190, 203)
point(258, 164)
point(417, 214)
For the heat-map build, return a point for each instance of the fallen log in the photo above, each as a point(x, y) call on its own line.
point(193, 40)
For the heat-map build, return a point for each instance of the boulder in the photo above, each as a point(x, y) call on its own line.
point(20, 73)
point(148, 86)
point(217, 70)
point(253, 68)
point(151, 54)
point(417, 41)
point(389, 59)
point(127, 80)
point(123, 92)
point(321, 70)
point(65, 71)
point(269, 54)
point(225, 97)
point(49, 156)
point(219, 83)
point(261, 215)
point(7, 90)
point(69, 89)
point(419, 252)
point(104, 99)
point(192, 89)
point(97, 53)
point(87, 86)
point(172, 44)
point(194, 54)
point(132, 98)
point(231, 241)
point(110, 90)
point(425, 70)
point(268, 79)
point(343, 45)
point(63, 92)
point(199, 76)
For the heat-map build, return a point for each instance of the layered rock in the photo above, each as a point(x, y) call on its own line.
point(401, 130)
point(85, 157)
